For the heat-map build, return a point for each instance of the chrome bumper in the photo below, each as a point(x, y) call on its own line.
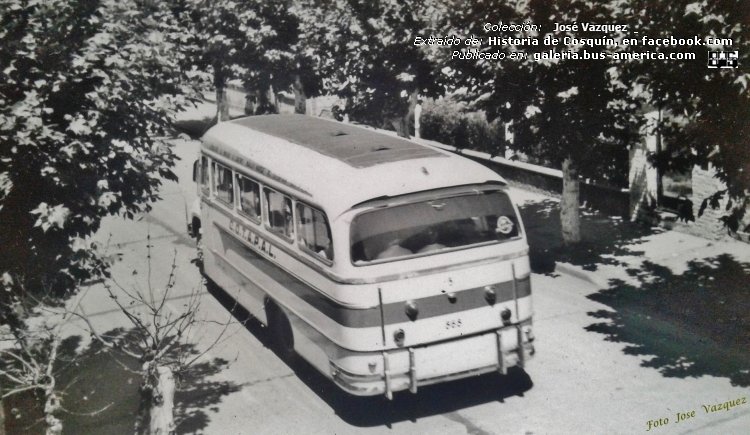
point(390, 381)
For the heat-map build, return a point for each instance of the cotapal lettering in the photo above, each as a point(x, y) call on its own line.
point(252, 237)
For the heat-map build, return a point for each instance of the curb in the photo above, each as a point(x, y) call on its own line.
point(582, 274)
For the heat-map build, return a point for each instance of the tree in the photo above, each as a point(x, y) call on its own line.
point(366, 51)
point(706, 112)
point(88, 89)
point(576, 114)
point(30, 357)
point(162, 338)
point(159, 339)
point(257, 43)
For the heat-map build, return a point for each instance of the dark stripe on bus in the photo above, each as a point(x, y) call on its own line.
point(430, 306)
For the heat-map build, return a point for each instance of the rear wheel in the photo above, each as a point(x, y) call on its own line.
point(280, 331)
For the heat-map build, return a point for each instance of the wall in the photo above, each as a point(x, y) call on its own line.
point(605, 199)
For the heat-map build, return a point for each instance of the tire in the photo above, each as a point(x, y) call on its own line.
point(280, 332)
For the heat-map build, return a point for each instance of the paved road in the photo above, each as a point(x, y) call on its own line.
point(577, 383)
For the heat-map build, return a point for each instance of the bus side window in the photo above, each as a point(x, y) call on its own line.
point(279, 212)
point(313, 231)
point(205, 188)
point(223, 184)
point(249, 197)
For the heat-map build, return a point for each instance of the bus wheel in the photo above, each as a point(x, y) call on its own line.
point(280, 331)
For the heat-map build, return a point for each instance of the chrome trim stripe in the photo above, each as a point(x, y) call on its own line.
point(348, 316)
point(383, 278)
point(456, 266)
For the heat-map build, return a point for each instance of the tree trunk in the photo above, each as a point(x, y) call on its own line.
point(51, 406)
point(300, 99)
point(272, 100)
point(222, 105)
point(156, 409)
point(401, 124)
point(2, 413)
point(51, 400)
point(569, 214)
point(417, 120)
point(162, 408)
point(220, 84)
point(250, 102)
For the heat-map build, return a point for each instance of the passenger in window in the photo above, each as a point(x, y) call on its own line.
point(250, 200)
point(288, 224)
point(394, 249)
point(323, 253)
point(431, 237)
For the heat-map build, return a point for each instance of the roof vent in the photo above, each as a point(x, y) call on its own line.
point(380, 149)
point(338, 133)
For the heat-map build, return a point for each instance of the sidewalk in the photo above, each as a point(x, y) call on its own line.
point(611, 247)
point(681, 299)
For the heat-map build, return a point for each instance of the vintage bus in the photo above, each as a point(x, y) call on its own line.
point(386, 264)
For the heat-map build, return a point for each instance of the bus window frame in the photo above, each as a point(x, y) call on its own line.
point(303, 247)
point(229, 204)
point(255, 219)
point(205, 188)
point(267, 215)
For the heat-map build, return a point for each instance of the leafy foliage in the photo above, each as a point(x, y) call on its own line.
point(257, 43)
point(706, 111)
point(557, 108)
point(87, 92)
point(365, 51)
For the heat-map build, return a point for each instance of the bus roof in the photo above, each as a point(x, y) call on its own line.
point(337, 165)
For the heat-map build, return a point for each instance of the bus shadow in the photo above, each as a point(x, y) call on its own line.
point(377, 410)
point(430, 400)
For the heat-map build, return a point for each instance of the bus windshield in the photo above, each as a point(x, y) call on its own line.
point(430, 227)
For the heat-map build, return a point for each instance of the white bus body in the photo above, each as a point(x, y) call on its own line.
point(385, 264)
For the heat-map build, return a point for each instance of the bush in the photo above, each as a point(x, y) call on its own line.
point(447, 122)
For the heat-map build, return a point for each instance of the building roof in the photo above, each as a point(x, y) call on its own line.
point(336, 165)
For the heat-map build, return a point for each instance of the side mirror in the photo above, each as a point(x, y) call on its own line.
point(195, 171)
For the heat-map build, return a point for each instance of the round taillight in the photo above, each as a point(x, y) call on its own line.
point(399, 337)
point(489, 295)
point(505, 315)
point(411, 310)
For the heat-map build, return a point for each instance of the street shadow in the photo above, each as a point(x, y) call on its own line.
point(440, 399)
point(684, 325)
point(101, 388)
point(199, 393)
point(603, 238)
point(430, 400)
point(24, 411)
